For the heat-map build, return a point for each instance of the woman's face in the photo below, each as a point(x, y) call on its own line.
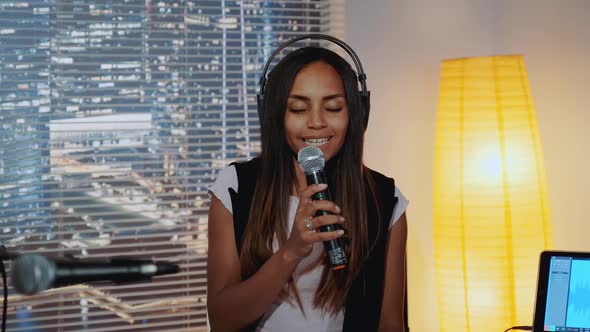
point(317, 112)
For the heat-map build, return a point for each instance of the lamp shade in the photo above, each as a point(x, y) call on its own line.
point(491, 216)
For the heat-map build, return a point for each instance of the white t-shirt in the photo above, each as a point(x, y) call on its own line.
point(286, 315)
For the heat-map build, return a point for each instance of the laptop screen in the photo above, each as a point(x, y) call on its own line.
point(568, 294)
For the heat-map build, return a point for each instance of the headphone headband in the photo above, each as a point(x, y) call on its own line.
point(357, 63)
point(364, 93)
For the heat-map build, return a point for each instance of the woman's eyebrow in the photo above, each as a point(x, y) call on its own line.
point(305, 98)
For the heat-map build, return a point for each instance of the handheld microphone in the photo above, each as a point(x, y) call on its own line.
point(312, 161)
point(35, 273)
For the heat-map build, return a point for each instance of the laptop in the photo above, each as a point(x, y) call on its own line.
point(563, 292)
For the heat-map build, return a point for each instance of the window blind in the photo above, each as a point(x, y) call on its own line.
point(116, 116)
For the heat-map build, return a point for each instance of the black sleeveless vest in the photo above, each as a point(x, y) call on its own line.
point(363, 302)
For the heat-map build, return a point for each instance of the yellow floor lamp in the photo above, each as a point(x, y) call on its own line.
point(491, 215)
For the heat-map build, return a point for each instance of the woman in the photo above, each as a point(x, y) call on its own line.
point(266, 268)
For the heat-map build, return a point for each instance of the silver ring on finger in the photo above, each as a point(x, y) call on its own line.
point(309, 224)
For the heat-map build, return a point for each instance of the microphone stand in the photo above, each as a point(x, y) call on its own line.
point(5, 255)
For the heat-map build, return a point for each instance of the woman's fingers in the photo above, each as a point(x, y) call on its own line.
point(311, 237)
point(306, 204)
point(324, 220)
point(327, 236)
point(315, 206)
point(306, 223)
point(305, 195)
point(316, 236)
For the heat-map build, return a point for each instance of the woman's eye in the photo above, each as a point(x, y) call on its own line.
point(333, 109)
point(297, 110)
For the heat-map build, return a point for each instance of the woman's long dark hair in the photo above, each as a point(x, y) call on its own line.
point(347, 179)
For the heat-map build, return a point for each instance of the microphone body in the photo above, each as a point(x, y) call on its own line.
point(36, 273)
point(334, 248)
point(311, 159)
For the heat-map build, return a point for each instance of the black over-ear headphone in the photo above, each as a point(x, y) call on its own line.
point(364, 94)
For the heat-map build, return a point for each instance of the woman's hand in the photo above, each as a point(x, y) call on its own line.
point(304, 234)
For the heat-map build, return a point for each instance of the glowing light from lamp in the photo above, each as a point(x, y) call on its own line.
point(491, 214)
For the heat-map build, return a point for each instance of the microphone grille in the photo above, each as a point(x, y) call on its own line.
point(311, 159)
point(32, 274)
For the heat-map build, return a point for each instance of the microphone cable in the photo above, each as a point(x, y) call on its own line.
point(520, 327)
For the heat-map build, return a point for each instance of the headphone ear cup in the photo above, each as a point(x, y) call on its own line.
point(259, 107)
point(366, 105)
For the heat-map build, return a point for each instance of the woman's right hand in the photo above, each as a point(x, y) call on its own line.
point(301, 240)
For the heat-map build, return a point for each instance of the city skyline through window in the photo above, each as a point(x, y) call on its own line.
point(115, 117)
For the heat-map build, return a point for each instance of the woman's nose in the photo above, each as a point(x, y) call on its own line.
point(316, 118)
